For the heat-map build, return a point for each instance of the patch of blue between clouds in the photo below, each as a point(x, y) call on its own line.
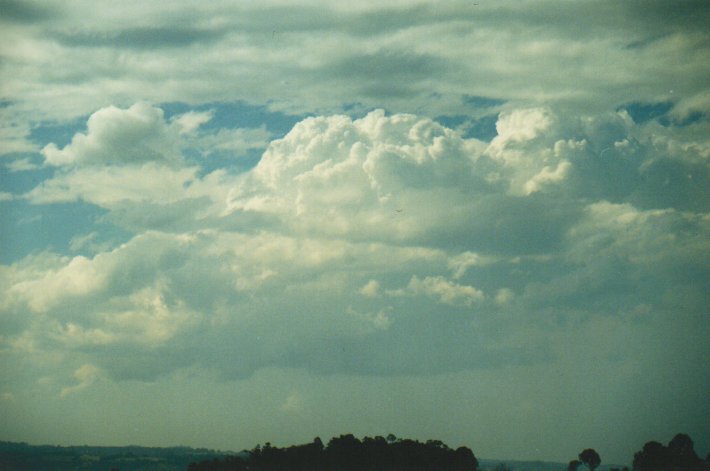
point(30, 228)
point(219, 159)
point(481, 101)
point(357, 110)
point(483, 128)
point(21, 182)
point(643, 112)
point(232, 115)
point(475, 125)
point(239, 114)
point(60, 134)
point(692, 117)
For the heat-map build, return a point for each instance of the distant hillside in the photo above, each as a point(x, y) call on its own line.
point(513, 465)
point(490, 465)
point(24, 457)
point(343, 453)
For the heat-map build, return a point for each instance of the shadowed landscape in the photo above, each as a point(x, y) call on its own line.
point(342, 453)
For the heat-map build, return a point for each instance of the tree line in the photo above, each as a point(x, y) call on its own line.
point(348, 453)
point(678, 455)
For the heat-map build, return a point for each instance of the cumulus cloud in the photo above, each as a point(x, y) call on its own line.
point(108, 186)
point(115, 136)
point(521, 125)
point(373, 176)
point(352, 235)
point(130, 161)
point(293, 404)
point(460, 263)
point(380, 320)
point(371, 289)
point(21, 165)
point(85, 375)
point(444, 290)
point(190, 121)
point(75, 277)
point(547, 176)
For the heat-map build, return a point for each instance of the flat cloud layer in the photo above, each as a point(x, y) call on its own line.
point(520, 243)
point(311, 55)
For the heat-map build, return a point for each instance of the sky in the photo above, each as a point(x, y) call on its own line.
point(225, 223)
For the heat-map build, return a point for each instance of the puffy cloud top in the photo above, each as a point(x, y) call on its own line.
point(114, 136)
point(383, 176)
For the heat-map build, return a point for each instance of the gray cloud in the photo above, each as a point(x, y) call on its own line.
point(291, 55)
point(142, 38)
point(397, 65)
point(24, 11)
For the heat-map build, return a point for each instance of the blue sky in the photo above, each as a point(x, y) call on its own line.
point(231, 223)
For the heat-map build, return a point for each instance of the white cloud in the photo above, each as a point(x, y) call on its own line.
point(694, 103)
point(107, 186)
point(372, 177)
point(293, 404)
point(190, 121)
point(82, 241)
point(547, 176)
point(460, 263)
point(86, 375)
point(136, 135)
point(21, 165)
point(369, 321)
point(129, 162)
point(371, 289)
point(337, 213)
point(521, 125)
point(77, 276)
point(445, 291)
point(146, 317)
point(504, 296)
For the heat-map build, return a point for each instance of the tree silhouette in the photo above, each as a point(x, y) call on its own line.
point(681, 451)
point(679, 455)
point(591, 458)
point(347, 453)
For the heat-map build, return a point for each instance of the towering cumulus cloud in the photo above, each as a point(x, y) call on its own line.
point(378, 233)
